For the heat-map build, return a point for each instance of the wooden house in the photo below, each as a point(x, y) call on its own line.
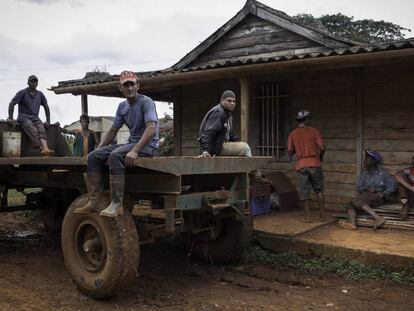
point(361, 97)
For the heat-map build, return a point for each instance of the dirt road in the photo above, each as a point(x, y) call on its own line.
point(33, 277)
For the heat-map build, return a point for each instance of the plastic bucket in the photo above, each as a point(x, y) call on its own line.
point(11, 144)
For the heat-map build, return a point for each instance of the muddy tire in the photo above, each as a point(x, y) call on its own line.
point(228, 246)
point(101, 253)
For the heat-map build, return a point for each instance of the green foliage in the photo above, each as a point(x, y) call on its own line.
point(364, 30)
point(166, 136)
point(351, 270)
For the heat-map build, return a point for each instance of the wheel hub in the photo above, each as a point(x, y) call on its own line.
point(90, 246)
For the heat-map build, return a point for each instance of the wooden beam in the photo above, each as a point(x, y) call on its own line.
point(359, 113)
point(245, 86)
point(84, 103)
point(177, 121)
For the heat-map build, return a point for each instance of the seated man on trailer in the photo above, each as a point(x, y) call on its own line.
point(375, 187)
point(216, 135)
point(139, 113)
point(29, 101)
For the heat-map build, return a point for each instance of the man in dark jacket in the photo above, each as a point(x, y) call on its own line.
point(216, 135)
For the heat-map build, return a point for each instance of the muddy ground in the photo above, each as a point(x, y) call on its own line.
point(33, 277)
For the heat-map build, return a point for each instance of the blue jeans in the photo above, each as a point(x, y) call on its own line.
point(115, 155)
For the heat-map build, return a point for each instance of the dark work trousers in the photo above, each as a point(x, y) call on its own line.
point(35, 131)
point(115, 155)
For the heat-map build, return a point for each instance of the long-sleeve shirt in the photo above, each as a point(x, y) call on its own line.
point(378, 181)
point(215, 129)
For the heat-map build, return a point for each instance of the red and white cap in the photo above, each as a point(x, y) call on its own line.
point(126, 76)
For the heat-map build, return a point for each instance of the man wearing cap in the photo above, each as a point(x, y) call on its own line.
point(216, 135)
point(138, 112)
point(375, 187)
point(29, 101)
point(306, 143)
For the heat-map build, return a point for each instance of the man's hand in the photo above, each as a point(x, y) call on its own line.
point(130, 157)
point(205, 154)
point(12, 122)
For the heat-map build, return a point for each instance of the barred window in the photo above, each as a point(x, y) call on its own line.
point(272, 101)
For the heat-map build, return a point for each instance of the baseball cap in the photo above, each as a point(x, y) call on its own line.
point(374, 154)
point(32, 78)
point(126, 76)
point(303, 114)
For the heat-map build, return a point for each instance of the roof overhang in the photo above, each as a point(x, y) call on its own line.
point(164, 82)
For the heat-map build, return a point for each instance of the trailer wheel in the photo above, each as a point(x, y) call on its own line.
point(100, 253)
point(225, 246)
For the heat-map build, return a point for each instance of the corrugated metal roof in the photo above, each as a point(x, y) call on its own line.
point(281, 56)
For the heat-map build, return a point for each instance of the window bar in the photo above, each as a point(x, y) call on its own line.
point(277, 120)
point(273, 120)
point(263, 139)
point(267, 119)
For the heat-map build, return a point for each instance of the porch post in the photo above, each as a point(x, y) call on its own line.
point(244, 108)
point(84, 103)
point(177, 120)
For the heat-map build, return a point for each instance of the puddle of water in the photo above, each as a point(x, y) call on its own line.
point(19, 239)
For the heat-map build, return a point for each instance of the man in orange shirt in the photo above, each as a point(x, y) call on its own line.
point(307, 143)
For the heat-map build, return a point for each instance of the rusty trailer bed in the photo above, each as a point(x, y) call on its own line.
point(183, 165)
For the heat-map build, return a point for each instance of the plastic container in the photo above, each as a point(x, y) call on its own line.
point(259, 205)
point(11, 144)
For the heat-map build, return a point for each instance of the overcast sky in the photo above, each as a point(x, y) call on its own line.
point(63, 39)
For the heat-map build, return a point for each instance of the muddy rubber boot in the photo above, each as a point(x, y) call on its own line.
point(94, 184)
point(117, 183)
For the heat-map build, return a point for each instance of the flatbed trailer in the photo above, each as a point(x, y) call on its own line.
point(206, 199)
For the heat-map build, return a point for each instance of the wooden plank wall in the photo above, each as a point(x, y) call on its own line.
point(331, 98)
point(389, 114)
point(253, 36)
point(387, 98)
point(197, 99)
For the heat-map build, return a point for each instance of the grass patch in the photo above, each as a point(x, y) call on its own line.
point(350, 270)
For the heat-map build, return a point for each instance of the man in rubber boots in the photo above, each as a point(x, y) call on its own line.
point(216, 135)
point(375, 187)
point(139, 113)
point(307, 143)
point(29, 101)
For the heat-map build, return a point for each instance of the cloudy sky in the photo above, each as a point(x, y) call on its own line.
point(63, 39)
